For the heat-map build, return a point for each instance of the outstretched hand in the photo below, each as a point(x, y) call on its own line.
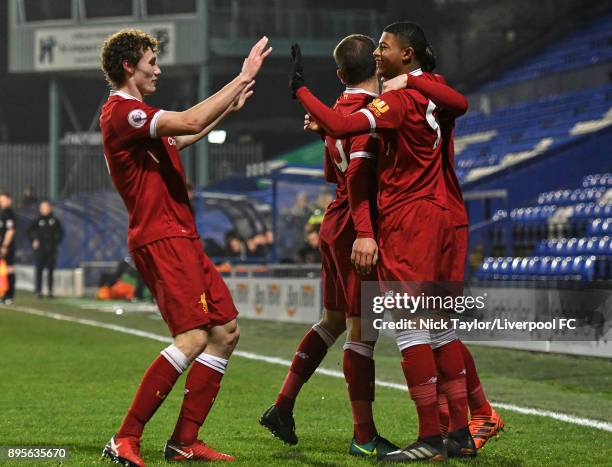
point(296, 78)
point(254, 61)
point(242, 97)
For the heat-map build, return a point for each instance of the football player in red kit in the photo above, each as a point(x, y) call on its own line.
point(346, 237)
point(485, 422)
point(141, 147)
point(413, 219)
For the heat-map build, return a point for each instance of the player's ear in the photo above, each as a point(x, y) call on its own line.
point(128, 68)
point(340, 75)
point(407, 55)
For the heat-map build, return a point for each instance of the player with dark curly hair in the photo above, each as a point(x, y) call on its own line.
point(141, 146)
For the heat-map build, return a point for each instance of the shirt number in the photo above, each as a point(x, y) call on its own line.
point(342, 164)
point(433, 122)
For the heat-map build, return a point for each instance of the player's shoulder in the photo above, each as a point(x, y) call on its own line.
point(353, 99)
point(121, 102)
point(122, 107)
point(438, 77)
point(396, 96)
point(408, 97)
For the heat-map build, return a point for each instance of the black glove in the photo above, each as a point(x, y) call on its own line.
point(296, 78)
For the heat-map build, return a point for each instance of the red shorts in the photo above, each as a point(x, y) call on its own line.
point(189, 291)
point(410, 241)
point(454, 254)
point(341, 282)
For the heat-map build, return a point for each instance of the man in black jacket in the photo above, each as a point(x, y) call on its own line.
point(7, 244)
point(46, 233)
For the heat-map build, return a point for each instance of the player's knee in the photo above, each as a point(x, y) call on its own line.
point(353, 332)
point(226, 338)
point(192, 342)
point(333, 322)
point(233, 337)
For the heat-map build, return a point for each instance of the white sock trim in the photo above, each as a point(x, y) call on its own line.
point(442, 338)
point(211, 361)
point(176, 358)
point(327, 336)
point(410, 337)
point(360, 348)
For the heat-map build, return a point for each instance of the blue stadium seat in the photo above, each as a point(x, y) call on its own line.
point(584, 47)
point(521, 126)
point(485, 270)
point(600, 226)
point(596, 180)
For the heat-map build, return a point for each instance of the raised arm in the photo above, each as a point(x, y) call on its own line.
point(195, 120)
point(334, 124)
point(185, 141)
point(439, 92)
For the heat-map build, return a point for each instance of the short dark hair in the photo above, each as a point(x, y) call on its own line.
point(127, 44)
point(5, 193)
point(412, 35)
point(354, 56)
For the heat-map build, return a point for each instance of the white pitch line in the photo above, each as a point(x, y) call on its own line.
point(588, 422)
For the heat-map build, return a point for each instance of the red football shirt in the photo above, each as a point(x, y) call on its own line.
point(344, 165)
point(411, 167)
point(455, 197)
point(146, 170)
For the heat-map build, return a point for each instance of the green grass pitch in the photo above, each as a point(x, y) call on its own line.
point(66, 384)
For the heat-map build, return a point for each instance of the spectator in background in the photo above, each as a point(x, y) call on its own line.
point(28, 197)
point(269, 237)
point(234, 246)
point(309, 253)
point(213, 248)
point(8, 225)
point(257, 246)
point(293, 221)
point(324, 198)
point(46, 233)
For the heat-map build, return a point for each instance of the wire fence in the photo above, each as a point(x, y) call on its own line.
point(24, 168)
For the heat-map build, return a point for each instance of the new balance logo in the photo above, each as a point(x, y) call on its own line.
point(302, 355)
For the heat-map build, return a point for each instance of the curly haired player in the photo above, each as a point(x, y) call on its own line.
point(141, 146)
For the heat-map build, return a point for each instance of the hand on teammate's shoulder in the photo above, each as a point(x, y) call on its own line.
point(395, 84)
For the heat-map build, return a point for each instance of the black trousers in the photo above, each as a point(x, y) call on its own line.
point(10, 261)
point(45, 261)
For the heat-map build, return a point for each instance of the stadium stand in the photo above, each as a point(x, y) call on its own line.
point(568, 231)
point(485, 144)
point(588, 46)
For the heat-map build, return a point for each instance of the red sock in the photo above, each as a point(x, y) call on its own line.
point(443, 410)
point(156, 384)
point(420, 372)
point(307, 358)
point(452, 383)
point(359, 375)
point(479, 405)
point(201, 389)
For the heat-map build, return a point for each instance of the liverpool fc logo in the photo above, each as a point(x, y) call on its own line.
point(203, 302)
